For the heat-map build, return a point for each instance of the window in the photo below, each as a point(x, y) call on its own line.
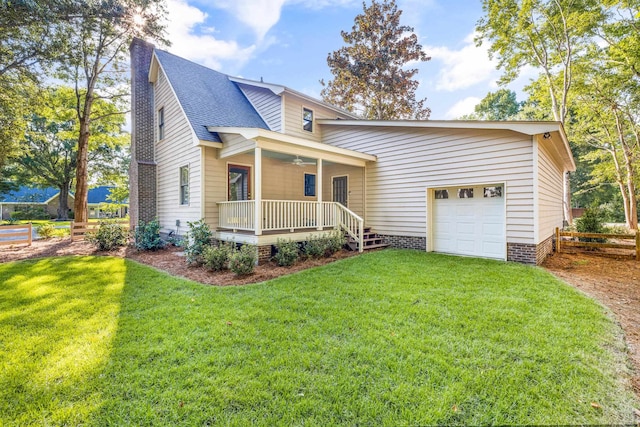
point(309, 185)
point(493, 191)
point(161, 124)
point(184, 185)
point(442, 194)
point(307, 120)
point(465, 193)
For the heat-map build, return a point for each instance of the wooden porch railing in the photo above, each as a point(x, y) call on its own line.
point(351, 223)
point(290, 215)
point(293, 214)
point(238, 215)
point(635, 238)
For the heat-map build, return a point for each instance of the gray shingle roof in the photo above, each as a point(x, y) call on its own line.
point(201, 91)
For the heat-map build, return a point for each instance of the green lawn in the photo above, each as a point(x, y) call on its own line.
point(387, 338)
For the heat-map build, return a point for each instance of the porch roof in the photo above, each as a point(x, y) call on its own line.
point(242, 140)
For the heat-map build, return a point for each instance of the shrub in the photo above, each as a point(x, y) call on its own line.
point(314, 247)
point(109, 236)
point(287, 252)
point(243, 260)
point(216, 258)
point(198, 238)
point(590, 222)
point(175, 240)
point(46, 231)
point(147, 236)
point(334, 242)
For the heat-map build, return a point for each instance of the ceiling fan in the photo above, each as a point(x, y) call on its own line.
point(299, 162)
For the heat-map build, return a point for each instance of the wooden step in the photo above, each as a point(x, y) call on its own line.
point(370, 240)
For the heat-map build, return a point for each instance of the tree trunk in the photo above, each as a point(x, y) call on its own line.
point(82, 187)
point(568, 215)
point(63, 207)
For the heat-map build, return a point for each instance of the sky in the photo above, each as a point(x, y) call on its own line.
point(287, 42)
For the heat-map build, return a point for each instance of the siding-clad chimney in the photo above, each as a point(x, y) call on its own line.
point(142, 171)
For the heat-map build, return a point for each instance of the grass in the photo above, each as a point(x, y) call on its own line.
point(387, 338)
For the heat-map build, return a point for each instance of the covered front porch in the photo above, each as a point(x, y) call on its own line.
point(279, 186)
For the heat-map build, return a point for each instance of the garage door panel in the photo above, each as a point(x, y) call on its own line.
point(469, 226)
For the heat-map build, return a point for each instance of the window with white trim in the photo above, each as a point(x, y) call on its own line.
point(184, 185)
point(307, 119)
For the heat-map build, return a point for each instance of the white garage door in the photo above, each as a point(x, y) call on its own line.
point(470, 221)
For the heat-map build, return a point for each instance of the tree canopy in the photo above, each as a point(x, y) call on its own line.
point(370, 74)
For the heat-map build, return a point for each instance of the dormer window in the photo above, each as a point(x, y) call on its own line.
point(307, 120)
point(161, 124)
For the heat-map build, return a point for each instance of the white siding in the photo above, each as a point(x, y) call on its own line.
point(174, 151)
point(410, 160)
point(550, 193)
point(293, 106)
point(267, 103)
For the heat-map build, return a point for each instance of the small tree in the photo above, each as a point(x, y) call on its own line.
point(370, 78)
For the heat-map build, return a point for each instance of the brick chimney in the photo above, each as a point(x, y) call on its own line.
point(142, 171)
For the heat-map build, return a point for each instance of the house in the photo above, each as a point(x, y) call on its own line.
point(42, 201)
point(97, 201)
point(260, 161)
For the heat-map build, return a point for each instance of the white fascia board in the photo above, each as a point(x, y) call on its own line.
point(279, 90)
point(276, 89)
point(212, 144)
point(257, 134)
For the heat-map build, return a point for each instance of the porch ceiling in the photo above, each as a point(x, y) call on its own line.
point(242, 140)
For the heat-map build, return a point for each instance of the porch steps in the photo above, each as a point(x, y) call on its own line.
point(370, 240)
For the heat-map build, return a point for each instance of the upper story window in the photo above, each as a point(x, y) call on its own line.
point(307, 120)
point(161, 124)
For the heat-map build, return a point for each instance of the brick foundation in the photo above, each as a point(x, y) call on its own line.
point(264, 254)
point(405, 242)
point(545, 248)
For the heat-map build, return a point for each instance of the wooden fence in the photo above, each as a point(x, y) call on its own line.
point(24, 234)
point(634, 246)
point(79, 229)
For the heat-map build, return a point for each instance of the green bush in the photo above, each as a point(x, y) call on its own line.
point(198, 238)
point(243, 261)
point(24, 212)
point(286, 252)
point(314, 247)
point(46, 231)
point(216, 258)
point(109, 236)
point(147, 236)
point(591, 221)
point(334, 243)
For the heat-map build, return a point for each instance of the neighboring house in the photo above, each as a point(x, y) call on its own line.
point(97, 199)
point(45, 198)
point(230, 151)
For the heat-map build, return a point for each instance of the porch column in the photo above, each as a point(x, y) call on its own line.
point(257, 190)
point(319, 214)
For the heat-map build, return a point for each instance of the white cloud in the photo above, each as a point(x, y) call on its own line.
point(259, 15)
point(204, 49)
point(463, 68)
point(462, 107)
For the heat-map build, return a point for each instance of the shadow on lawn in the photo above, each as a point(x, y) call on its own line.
point(58, 325)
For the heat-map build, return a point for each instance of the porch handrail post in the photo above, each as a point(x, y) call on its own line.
point(257, 189)
point(319, 214)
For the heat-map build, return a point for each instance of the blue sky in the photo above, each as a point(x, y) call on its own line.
point(287, 42)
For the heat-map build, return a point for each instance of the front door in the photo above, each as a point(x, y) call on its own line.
point(239, 183)
point(340, 190)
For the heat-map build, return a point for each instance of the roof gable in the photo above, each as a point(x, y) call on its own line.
point(201, 91)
